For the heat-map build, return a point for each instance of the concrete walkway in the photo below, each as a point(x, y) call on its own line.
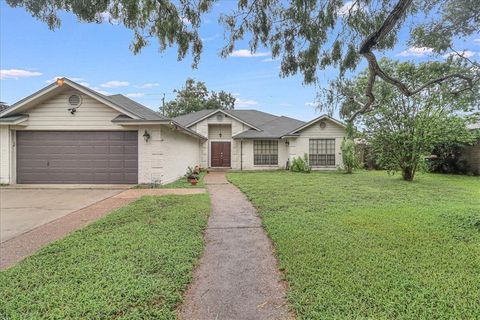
point(237, 277)
point(17, 248)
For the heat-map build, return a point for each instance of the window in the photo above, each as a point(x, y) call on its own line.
point(265, 152)
point(322, 152)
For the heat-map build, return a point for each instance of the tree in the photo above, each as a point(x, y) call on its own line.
point(403, 130)
point(308, 35)
point(194, 96)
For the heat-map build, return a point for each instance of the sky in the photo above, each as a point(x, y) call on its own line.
point(98, 56)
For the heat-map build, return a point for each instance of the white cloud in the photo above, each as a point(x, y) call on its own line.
point(85, 84)
point(18, 73)
point(115, 84)
point(415, 52)
point(211, 38)
point(148, 85)
point(311, 104)
point(347, 7)
point(245, 103)
point(477, 40)
point(135, 95)
point(270, 60)
point(244, 53)
point(186, 21)
point(466, 54)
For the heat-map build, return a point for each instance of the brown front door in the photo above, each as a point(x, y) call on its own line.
point(220, 154)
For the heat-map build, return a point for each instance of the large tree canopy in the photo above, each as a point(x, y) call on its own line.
point(308, 35)
point(403, 130)
point(195, 96)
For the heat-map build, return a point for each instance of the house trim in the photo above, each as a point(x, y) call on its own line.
point(293, 133)
point(92, 94)
point(225, 113)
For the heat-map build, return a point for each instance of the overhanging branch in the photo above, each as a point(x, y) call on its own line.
point(374, 70)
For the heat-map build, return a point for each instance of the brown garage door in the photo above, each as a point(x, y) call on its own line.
point(77, 157)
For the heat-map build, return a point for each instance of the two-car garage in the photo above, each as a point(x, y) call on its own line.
point(109, 157)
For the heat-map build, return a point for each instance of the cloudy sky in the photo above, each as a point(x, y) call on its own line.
point(98, 56)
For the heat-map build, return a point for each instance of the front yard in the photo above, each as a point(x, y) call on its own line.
point(369, 245)
point(133, 264)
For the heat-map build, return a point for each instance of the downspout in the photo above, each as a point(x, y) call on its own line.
point(241, 155)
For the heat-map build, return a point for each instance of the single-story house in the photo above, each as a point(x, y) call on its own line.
point(68, 133)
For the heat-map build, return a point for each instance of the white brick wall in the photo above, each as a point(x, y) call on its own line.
point(5, 155)
point(299, 146)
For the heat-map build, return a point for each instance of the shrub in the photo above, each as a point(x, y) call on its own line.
point(300, 164)
point(349, 156)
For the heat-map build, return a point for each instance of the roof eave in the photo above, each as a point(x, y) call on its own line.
point(308, 124)
point(18, 121)
point(225, 113)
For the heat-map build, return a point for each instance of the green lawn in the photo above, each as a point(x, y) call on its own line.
point(133, 264)
point(371, 246)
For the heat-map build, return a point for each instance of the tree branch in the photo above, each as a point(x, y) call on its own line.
point(375, 70)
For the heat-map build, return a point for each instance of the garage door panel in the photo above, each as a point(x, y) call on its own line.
point(77, 157)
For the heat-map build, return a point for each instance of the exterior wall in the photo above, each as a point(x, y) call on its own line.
point(219, 131)
point(53, 115)
point(472, 155)
point(300, 145)
point(247, 156)
point(202, 128)
point(6, 155)
point(162, 159)
point(150, 155)
point(179, 152)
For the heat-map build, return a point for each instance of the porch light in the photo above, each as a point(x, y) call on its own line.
point(146, 136)
point(287, 143)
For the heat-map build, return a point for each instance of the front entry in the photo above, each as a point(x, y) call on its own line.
point(220, 154)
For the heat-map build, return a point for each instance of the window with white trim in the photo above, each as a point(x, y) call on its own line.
point(322, 152)
point(265, 152)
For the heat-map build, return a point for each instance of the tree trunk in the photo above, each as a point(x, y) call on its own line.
point(408, 173)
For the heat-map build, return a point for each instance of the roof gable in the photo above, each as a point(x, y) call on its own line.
point(314, 121)
point(117, 102)
point(190, 119)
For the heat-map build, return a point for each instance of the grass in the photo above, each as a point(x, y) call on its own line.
point(133, 264)
point(371, 246)
point(180, 183)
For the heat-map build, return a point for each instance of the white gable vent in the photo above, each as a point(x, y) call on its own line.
point(74, 100)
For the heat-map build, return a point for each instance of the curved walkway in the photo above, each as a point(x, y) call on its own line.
point(237, 278)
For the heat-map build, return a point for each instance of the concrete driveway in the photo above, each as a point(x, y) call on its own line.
point(22, 209)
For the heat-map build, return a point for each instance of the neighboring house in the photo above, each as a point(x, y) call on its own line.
point(68, 133)
point(471, 154)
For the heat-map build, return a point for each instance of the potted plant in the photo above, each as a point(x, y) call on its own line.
point(191, 176)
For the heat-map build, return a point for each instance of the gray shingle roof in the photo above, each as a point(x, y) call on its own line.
point(136, 108)
point(254, 117)
point(269, 125)
point(275, 128)
point(192, 117)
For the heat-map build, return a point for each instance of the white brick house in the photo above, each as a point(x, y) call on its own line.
point(67, 133)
